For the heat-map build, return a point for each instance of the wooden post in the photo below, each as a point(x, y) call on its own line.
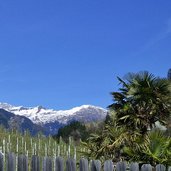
point(108, 165)
point(83, 164)
point(70, 165)
point(121, 166)
point(47, 164)
point(95, 165)
point(35, 163)
point(146, 167)
point(169, 168)
point(11, 159)
point(134, 167)
point(1, 162)
point(59, 164)
point(22, 163)
point(160, 167)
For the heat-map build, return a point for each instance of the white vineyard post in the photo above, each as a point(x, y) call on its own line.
point(35, 148)
point(32, 148)
point(17, 146)
point(4, 143)
point(45, 150)
point(54, 157)
point(58, 150)
point(25, 147)
point(64, 150)
point(75, 153)
point(31, 142)
point(69, 140)
point(69, 150)
point(27, 154)
point(39, 147)
point(22, 146)
point(54, 152)
point(9, 142)
point(8, 147)
point(49, 147)
point(16, 154)
point(4, 149)
point(55, 149)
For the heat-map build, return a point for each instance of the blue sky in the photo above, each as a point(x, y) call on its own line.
point(65, 53)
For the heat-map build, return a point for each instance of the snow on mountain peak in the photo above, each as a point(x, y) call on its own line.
point(41, 115)
point(5, 105)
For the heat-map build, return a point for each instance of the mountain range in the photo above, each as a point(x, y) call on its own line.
point(51, 120)
point(21, 123)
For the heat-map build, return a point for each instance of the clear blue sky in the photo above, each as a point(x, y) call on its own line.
point(65, 53)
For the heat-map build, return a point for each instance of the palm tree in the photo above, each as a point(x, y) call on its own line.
point(142, 101)
point(155, 149)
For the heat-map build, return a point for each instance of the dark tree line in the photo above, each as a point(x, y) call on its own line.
point(75, 129)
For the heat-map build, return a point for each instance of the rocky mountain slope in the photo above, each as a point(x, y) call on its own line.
point(52, 120)
point(21, 123)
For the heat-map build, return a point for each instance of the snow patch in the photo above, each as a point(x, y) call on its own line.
point(41, 115)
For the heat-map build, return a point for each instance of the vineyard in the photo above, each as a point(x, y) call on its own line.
point(40, 145)
point(23, 152)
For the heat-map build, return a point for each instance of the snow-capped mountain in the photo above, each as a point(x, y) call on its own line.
point(21, 123)
point(53, 119)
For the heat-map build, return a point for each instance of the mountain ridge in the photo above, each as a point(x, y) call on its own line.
point(20, 123)
point(54, 119)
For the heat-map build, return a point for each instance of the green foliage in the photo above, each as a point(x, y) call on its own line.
point(75, 129)
point(156, 149)
point(94, 127)
point(128, 132)
point(141, 101)
point(106, 144)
